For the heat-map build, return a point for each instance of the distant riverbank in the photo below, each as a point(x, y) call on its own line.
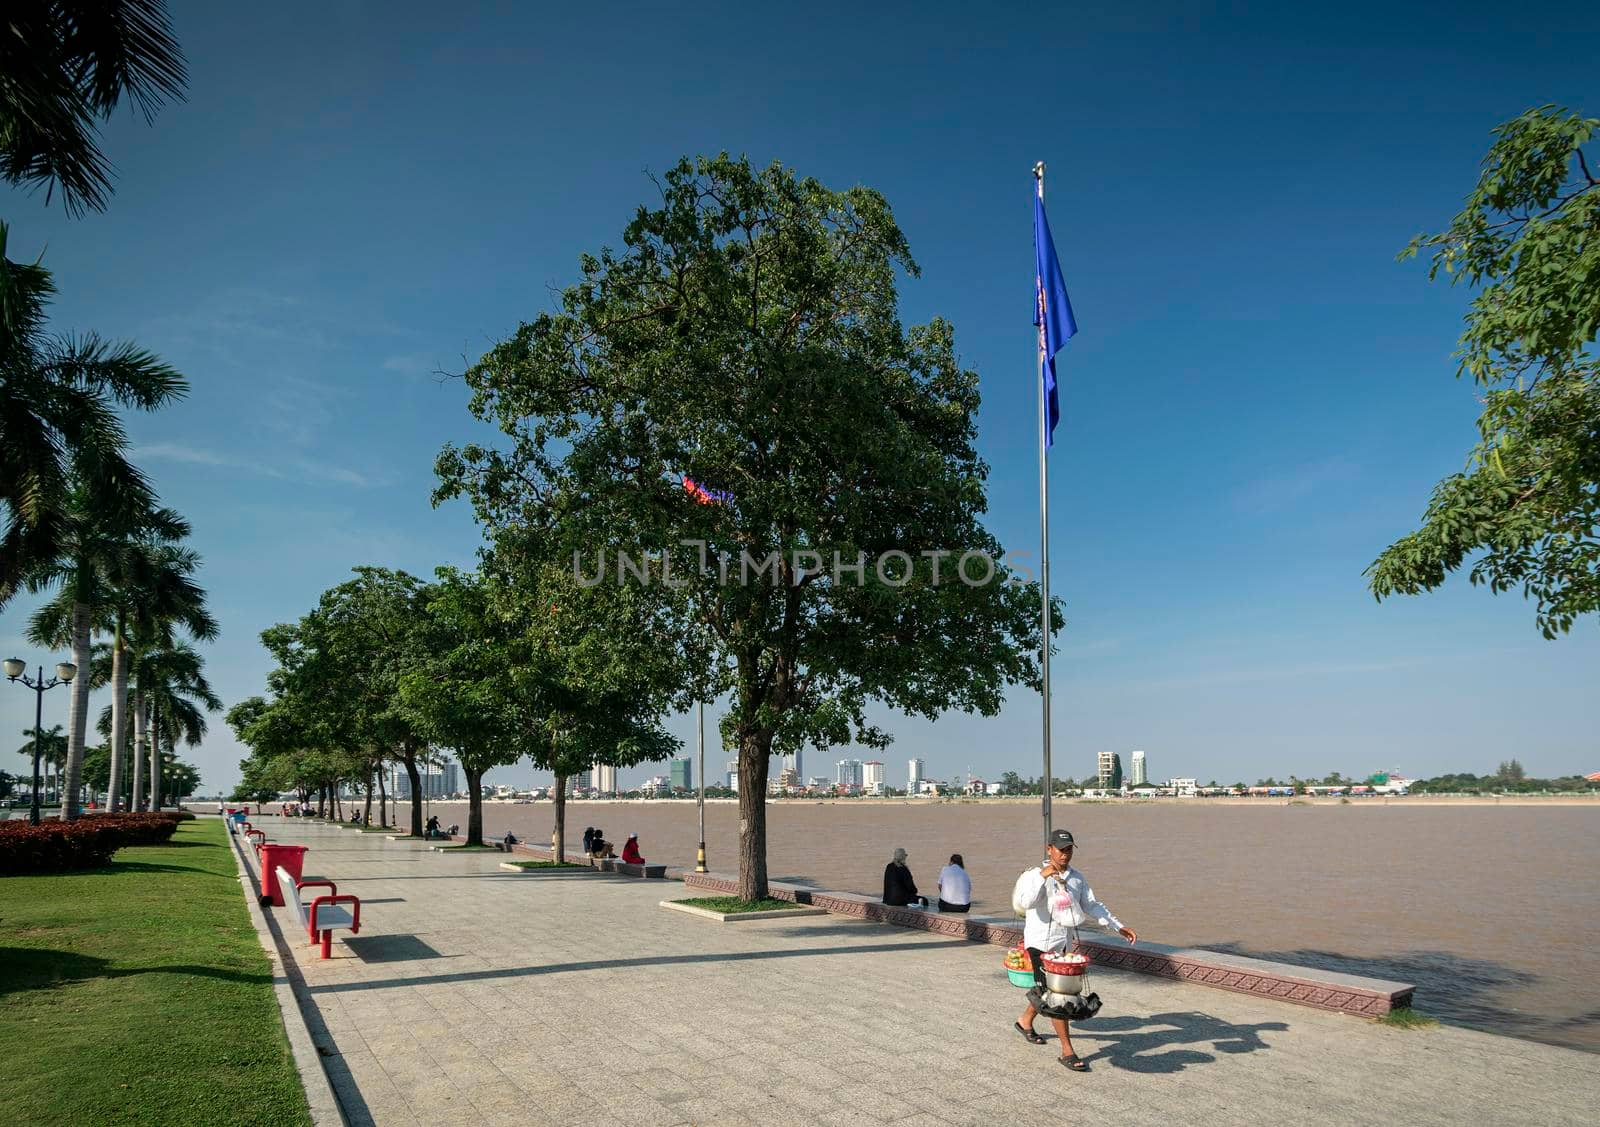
point(1033, 800)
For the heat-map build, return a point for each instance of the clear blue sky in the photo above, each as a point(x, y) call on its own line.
point(358, 194)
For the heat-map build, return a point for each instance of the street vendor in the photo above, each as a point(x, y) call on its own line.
point(1057, 899)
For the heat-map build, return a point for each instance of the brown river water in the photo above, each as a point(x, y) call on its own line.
point(1489, 909)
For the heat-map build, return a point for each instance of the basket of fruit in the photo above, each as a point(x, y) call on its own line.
point(1019, 967)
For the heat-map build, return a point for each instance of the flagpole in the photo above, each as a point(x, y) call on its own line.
point(1044, 540)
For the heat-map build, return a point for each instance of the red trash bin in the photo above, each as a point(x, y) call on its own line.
point(290, 858)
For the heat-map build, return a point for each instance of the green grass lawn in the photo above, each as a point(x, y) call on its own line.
point(730, 905)
point(139, 993)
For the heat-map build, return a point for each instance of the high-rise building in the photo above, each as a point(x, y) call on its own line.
point(872, 776)
point(603, 778)
point(1109, 772)
point(795, 761)
point(849, 773)
point(681, 774)
point(1140, 777)
point(914, 777)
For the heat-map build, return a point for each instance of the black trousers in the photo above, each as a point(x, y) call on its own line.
point(946, 906)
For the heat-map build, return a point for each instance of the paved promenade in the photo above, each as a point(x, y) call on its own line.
point(476, 995)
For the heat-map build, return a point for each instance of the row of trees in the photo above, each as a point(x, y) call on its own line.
point(491, 667)
point(83, 522)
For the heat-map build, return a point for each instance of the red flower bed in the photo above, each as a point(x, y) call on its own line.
point(140, 829)
point(56, 846)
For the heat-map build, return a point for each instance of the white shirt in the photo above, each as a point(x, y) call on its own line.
point(955, 886)
point(1056, 906)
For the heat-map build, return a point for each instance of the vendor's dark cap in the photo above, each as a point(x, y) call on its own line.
point(1061, 839)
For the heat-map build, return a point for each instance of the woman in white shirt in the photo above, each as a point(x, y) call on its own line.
point(955, 886)
point(1058, 901)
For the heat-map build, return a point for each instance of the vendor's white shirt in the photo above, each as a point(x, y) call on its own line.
point(955, 886)
point(1056, 906)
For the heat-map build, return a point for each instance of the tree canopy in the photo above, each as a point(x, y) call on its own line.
point(1526, 509)
point(731, 392)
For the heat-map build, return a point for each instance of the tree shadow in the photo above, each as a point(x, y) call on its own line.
point(1453, 988)
point(1124, 1046)
point(41, 968)
point(128, 868)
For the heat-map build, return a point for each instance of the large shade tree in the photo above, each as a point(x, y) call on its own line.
point(737, 375)
point(1525, 512)
point(67, 65)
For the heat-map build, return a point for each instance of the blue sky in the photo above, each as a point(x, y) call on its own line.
point(357, 195)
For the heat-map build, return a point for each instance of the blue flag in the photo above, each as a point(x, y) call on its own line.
point(1052, 312)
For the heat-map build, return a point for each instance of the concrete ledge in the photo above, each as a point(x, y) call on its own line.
point(570, 866)
point(1306, 986)
point(740, 917)
point(624, 869)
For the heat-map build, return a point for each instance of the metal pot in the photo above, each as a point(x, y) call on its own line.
point(1064, 976)
point(1063, 983)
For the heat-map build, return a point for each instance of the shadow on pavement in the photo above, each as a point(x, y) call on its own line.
point(617, 964)
point(391, 948)
point(1136, 1047)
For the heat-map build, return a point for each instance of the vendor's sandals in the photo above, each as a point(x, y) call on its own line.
point(1074, 1063)
point(1032, 1037)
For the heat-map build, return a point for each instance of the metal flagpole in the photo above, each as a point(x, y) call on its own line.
point(700, 715)
point(1044, 527)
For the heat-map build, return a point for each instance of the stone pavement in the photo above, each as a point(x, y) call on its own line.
point(475, 995)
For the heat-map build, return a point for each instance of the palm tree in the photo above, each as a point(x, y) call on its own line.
point(99, 535)
point(58, 419)
point(154, 593)
point(52, 750)
point(178, 696)
point(67, 64)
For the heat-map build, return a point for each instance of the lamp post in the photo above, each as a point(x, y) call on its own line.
point(17, 670)
point(700, 714)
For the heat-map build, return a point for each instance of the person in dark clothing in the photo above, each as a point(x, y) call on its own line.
point(899, 890)
point(431, 830)
point(588, 839)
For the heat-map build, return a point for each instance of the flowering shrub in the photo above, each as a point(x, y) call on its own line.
point(139, 829)
point(57, 846)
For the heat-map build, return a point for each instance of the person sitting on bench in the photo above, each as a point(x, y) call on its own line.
point(899, 890)
point(600, 847)
point(630, 851)
point(509, 840)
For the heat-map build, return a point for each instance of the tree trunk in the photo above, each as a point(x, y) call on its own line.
point(755, 749)
point(155, 758)
point(366, 813)
point(141, 727)
point(558, 838)
point(80, 713)
point(119, 715)
point(383, 800)
point(474, 806)
point(410, 754)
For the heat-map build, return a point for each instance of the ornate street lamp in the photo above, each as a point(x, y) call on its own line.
point(17, 670)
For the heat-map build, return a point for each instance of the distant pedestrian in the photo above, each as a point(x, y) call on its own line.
point(431, 830)
point(588, 838)
point(955, 886)
point(599, 847)
point(630, 850)
point(899, 890)
point(1057, 900)
point(510, 839)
